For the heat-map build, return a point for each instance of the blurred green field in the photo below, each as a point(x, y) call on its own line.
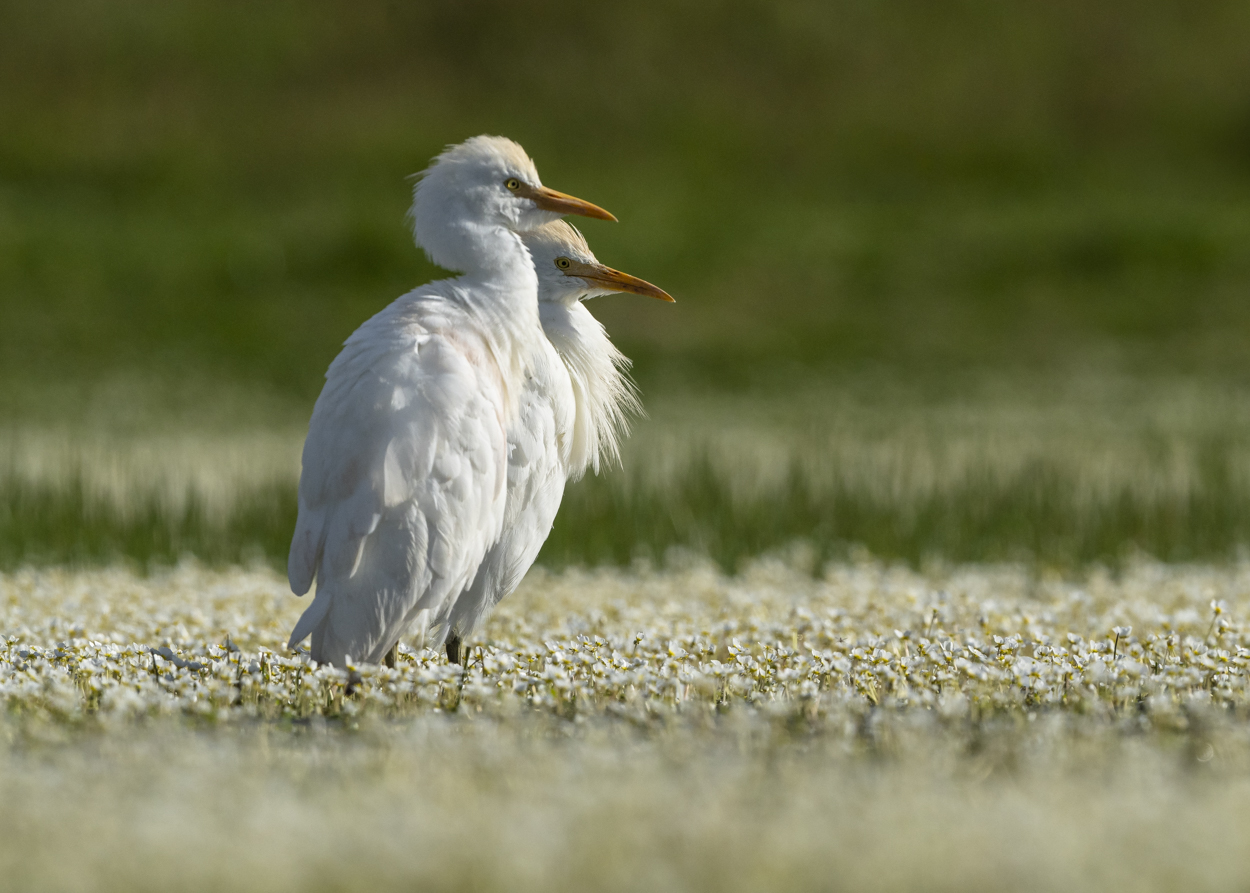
point(1054, 473)
point(219, 188)
point(953, 258)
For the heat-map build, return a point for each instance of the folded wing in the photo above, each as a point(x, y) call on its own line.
point(538, 453)
point(403, 483)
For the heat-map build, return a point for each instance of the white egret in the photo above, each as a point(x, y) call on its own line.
point(404, 480)
point(574, 409)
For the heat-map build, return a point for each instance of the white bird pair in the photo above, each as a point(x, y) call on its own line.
point(438, 451)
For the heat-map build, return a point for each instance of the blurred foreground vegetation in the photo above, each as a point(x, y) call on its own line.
point(964, 728)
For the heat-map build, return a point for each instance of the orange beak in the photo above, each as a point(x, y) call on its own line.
point(559, 203)
point(615, 280)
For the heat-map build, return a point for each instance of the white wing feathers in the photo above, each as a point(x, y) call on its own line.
point(538, 454)
point(404, 480)
point(572, 411)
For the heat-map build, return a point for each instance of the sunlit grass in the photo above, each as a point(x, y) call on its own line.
point(1056, 473)
point(1039, 513)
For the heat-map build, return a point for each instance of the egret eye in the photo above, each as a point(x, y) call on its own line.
point(563, 263)
point(512, 183)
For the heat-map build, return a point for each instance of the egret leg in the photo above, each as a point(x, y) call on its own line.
point(392, 656)
point(453, 648)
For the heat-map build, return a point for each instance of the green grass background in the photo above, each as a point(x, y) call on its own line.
point(1032, 516)
point(200, 200)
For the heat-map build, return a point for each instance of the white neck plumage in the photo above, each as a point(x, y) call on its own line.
point(498, 287)
point(605, 396)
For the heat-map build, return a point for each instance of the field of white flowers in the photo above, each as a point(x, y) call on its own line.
point(865, 726)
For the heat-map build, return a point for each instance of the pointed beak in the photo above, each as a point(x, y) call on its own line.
point(615, 280)
point(559, 203)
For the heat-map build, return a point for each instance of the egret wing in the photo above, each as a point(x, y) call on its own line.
point(403, 481)
point(538, 452)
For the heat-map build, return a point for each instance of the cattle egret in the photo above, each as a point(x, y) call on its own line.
point(574, 408)
point(404, 481)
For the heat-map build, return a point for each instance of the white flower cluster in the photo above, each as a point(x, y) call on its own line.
point(872, 728)
point(1154, 645)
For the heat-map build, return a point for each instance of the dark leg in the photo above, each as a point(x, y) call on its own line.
point(392, 656)
point(453, 648)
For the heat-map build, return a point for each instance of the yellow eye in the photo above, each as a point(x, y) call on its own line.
point(563, 263)
point(512, 183)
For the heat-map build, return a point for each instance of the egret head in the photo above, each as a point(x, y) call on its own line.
point(567, 269)
point(485, 181)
